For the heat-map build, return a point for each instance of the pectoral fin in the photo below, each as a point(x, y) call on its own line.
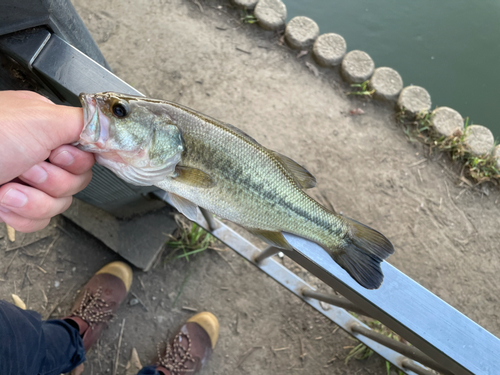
point(193, 177)
point(185, 207)
point(301, 175)
point(272, 238)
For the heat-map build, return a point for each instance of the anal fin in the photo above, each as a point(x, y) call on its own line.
point(272, 238)
point(185, 207)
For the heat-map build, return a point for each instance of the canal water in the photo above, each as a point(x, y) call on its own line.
point(449, 47)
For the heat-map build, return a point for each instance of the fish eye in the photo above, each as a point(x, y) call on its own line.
point(120, 109)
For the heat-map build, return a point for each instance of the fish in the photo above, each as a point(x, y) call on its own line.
point(202, 162)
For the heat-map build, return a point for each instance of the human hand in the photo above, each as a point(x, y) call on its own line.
point(33, 129)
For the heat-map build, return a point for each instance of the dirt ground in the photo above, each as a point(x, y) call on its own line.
point(199, 54)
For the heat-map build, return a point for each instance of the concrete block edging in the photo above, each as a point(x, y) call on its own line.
point(356, 67)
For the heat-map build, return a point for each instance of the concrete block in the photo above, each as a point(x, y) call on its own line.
point(357, 66)
point(247, 4)
point(496, 154)
point(329, 49)
point(479, 139)
point(270, 14)
point(301, 32)
point(446, 121)
point(414, 99)
point(387, 84)
point(138, 239)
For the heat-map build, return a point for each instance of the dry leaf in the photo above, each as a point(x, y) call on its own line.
point(356, 111)
point(133, 364)
point(11, 233)
point(18, 302)
point(312, 68)
point(302, 53)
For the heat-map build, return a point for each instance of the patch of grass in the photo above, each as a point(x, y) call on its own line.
point(189, 240)
point(478, 168)
point(246, 17)
point(361, 89)
point(359, 352)
point(362, 352)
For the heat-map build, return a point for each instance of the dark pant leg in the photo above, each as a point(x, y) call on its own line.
point(30, 346)
point(148, 370)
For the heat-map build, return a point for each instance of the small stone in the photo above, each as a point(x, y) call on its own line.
point(446, 121)
point(324, 306)
point(248, 4)
point(479, 139)
point(414, 99)
point(301, 32)
point(133, 302)
point(357, 67)
point(387, 84)
point(271, 14)
point(57, 283)
point(496, 154)
point(329, 49)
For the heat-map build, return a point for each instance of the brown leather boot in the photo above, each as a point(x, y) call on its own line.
point(191, 346)
point(99, 300)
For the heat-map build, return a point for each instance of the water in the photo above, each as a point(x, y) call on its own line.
point(449, 47)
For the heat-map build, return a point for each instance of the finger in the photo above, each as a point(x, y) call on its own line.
point(29, 95)
point(72, 159)
point(22, 224)
point(55, 181)
point(61, 124)
point(55, 124)
point(31, 203)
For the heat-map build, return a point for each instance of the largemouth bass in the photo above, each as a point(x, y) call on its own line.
point(203, 162)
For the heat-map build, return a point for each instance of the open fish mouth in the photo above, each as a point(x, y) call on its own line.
point(95, 131)
point(89, 108)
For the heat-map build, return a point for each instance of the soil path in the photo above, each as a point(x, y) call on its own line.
point(200, 55)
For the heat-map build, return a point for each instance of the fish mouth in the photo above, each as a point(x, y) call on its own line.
point(95, 131)
point(89, 108)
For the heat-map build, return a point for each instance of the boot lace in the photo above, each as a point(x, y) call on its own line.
point(177, 357)
point(92, 308)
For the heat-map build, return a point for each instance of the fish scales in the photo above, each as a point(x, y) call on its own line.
point(203, 162)
point(249, 175)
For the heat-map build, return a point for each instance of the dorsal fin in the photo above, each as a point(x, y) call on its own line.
point(301, 175)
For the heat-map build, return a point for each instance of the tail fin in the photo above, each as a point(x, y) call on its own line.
point(362, 254)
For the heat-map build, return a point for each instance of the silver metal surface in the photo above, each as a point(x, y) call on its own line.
point(266, 253)
point(25, 47)
point(71, 72)
point(209, 218)
point(412, 366)
point(410, 310)
point(407, 350)
point(333, 300)
point(295, 284)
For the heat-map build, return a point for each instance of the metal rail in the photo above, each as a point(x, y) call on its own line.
point(456, 343)
point(333, 300)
